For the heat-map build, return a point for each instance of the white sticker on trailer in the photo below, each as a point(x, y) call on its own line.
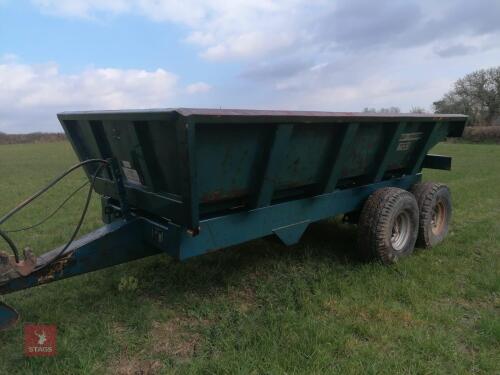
point(406, 140)
point(126, 164)
point(403, 146)
point(409, 137)
point(131, 175)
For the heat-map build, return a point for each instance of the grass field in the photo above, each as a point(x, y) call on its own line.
point(262, 308)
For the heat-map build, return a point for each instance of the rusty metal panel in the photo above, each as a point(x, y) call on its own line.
point(189, 164)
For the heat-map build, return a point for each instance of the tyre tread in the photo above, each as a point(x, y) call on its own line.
point(425, 193)
point(374, 223)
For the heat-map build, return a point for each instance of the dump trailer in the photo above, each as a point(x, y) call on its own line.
point(186, 182)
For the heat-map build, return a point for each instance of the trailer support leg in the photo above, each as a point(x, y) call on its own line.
point(8, 316)
point(291, 234)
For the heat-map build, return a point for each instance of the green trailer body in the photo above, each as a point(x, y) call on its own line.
point(187, 165)
point(190, 181)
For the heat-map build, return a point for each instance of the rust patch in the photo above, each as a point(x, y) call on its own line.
point(9, 269)
point(54, 270)
point(218, 195)
point(193, 232)
point(212, 196)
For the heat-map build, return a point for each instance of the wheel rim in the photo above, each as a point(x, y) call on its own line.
point(401, 231)
point(438, 218)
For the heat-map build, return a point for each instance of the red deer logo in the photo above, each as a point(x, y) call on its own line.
point(40, 340)
point(41, 337)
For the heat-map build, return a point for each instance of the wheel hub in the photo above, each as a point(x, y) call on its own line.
point(400, 231)
point(438, 218)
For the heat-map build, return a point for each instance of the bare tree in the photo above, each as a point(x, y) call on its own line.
point(417, 109)
point(382, 110)
point(390, 110)
point(476, 95)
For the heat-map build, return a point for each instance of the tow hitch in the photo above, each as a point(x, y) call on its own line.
point(10, 269)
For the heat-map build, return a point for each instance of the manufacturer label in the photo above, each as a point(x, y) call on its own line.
point(410, 137)
point(130, 174)
point(406, 140)
point(403, 146)
point(126, 164)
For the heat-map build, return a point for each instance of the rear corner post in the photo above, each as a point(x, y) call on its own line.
point(389, 151)
point(430, 140)
point(186, 138)
point(338, 159)
point(275, 156)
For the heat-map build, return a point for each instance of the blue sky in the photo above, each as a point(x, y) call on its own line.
point(58, 55)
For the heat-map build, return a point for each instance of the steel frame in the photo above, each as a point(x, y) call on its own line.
point(130, 237)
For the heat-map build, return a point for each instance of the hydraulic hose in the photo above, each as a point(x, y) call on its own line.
point(11, 244)
point(26, 202)
point(80, 222)
point(51, 215)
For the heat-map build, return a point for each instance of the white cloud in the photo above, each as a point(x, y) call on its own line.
point(198, 87)
point(307, 54)
point(248, 45)
point(31, 95)
point(222, 29)
point(82, 8)
point(374, 91)
point(252, 29)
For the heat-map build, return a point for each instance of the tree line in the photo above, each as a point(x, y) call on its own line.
point(476, 95)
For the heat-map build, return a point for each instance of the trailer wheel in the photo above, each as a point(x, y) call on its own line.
point(388, 225)
point(434, 202)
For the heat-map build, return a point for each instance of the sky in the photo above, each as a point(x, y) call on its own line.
point(336, 55)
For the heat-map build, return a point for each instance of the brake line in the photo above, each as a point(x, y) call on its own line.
point(23, 204)
point(33, 226)
point(80, 222)
point(11, 244)
point(26, 202)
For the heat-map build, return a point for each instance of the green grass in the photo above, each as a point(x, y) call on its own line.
point(262, 308)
